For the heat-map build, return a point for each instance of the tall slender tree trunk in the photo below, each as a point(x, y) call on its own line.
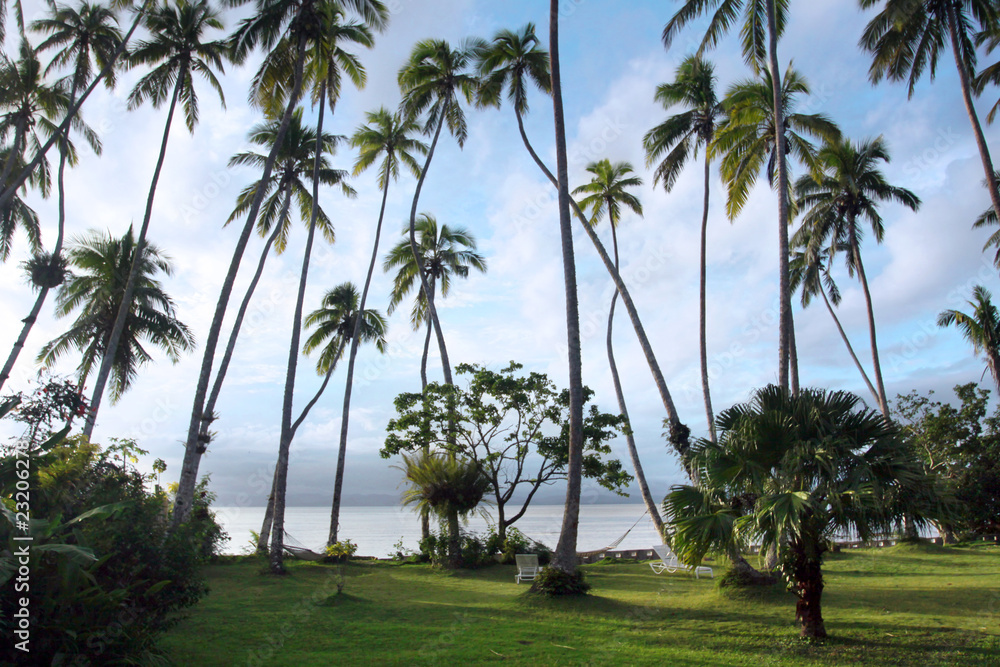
point(195, 445)
point(427, 340)
point(416, 254)
point(264, 537)
point(702, 319)
point(977, 128)
point(850, 349)
point(7, 194)
point(883, 404)
point(352, 355)
point(784, 291)
point(140, 248)
point(793, 354)
point(564, 558)
point(454, 540)
point(276, 554)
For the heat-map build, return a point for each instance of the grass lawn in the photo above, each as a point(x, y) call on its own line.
point(906, 605)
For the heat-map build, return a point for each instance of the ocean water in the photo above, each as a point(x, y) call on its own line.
point(377, 529)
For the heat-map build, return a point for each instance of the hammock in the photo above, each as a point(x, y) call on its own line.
point(598, 552)
point(297, 550)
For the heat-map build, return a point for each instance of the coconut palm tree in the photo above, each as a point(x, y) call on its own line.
point(906, 38)
point(445, 252)
point(607, 194)
point(515, 61)
point(177, 51)
point(763, 24)
point(672, 143)
point(981, 328)
point(104, 264)
point(85, 39)
point(836, 201)
point(432, 81)
point(449, 486)
point(814, 464)
point(274, 23)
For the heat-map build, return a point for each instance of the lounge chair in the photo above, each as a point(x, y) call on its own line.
point(671, 563)
point(527, 567)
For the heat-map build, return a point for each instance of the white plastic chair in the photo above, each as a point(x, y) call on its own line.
point(527, 567)
point(670, 563)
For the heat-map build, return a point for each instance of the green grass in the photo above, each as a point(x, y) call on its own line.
point(905, 605)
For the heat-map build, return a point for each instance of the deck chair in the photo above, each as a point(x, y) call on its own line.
point(527, 567)
point(671, 563)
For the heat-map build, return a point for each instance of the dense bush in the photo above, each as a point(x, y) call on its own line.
point(553, 582)
point(515, 542)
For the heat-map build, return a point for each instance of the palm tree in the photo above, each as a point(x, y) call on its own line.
point(177, 51)
point(274, 23)
point(448, 485)
point(847, 191)
point(386, 137)
point(813, 465)
point(981, 328)
point(104, 262)
point(432, 80)
point(906, 38)
point(606, 193)
point(763, 24)
point(673, 142)
point(516, 61)
point(83, 39)
point(444, 252)
point(810, 272)
point(988, 218)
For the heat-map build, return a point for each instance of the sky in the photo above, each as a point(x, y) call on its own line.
point(613, 60)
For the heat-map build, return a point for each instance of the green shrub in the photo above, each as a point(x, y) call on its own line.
point(475, 550)
point(516, 542)
point(553, 582)
point(341, 551)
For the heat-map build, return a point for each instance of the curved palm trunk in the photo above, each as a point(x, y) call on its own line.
point(416, 255)
point(977, 128)
point(883, 405)
point(784, 290)
point(355, 341)
point(564, 558)
point(702, 319)
point(126, 305)
point(427, 342)
point(276, 554)
point(850, 348)
point(633, 452)
point(195, 446)
point(7, 194)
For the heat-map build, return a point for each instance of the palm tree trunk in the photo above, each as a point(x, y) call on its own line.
point(702, 319)
point(564, 558)
point(264, 537)
point(425, 521)
point(194, 447)
point(29, 321)
point(227, 357)
point(793, 354)
point(850, 348)
point(7, 193)
point(977, 128)
point(423, 357)
point(15, 152)
point(355, 340)
point(416, 255)
point(784, 292)
point(883, 404)
point(276, 555)
point(454, 539)
point(140, 247)
point(640, 332)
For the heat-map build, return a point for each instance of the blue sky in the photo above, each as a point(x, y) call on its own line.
point(612, 61)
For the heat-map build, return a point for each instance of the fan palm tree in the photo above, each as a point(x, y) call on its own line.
point(763, 24)
point(847, 191)
point(516, 61)
point(177, 50)
point(449, 486)
point(815, 464)
point(672, 143)
point(981, 328)
point(607, 194)
point(906, 38)
point(97, 292)
point(274, 23)
point(445, 252)
point(387, 139)
point(83, 38)
point(432, 81)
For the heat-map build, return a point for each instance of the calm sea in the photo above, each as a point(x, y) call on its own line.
point(377, 529)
